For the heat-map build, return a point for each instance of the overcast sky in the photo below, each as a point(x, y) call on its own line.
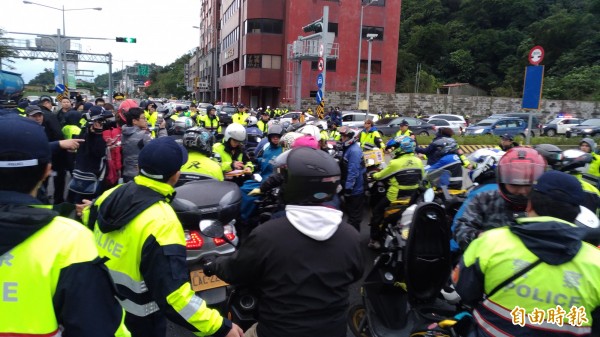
point(163, 30)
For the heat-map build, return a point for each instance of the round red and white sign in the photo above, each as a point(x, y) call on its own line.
point(321, 64)
point(536, 55)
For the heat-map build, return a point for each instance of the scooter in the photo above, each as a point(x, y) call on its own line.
point(198, 205)
point(401, 295)
point(241, 304)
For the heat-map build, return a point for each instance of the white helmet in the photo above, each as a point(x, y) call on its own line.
point(251, 121)
point(235, 131)
point(310, 130)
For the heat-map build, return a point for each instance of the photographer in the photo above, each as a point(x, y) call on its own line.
point(89, 160)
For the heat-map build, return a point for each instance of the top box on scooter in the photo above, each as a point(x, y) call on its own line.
point(207, 199)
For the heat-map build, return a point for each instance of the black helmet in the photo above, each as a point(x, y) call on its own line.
point(552, 154)
point(310, 177)
point(446, 145)
point(199, 139)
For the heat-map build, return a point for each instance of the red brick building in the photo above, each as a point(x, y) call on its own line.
point(254, 35)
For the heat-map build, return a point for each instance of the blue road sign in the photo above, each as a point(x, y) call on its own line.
point(532, 90)
point(320, 80)
point(319, 96)
point(60, 88)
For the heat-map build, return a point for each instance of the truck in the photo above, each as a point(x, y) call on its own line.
point(11, 88)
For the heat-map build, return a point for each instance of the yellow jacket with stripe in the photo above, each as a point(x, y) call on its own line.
point(52, 280)
point(199, 163)
point(139, 233)
point(567, 277)
point(227, 155)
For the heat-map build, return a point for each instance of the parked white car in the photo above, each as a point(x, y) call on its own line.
point(455, 120)
point(356, 119)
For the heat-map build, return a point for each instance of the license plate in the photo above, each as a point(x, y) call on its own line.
point(202, 282)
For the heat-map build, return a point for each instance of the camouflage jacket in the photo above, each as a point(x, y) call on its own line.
point(485, 211)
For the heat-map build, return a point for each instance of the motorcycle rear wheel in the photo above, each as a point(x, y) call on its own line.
point(357, 321)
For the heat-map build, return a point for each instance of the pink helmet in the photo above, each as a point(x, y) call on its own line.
point(306, 141)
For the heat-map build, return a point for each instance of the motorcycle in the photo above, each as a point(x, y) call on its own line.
point(402, 293)
point(199, 204)
point(241, 304)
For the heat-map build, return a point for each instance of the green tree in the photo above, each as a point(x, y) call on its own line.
point(45, 78)
point(5, 50)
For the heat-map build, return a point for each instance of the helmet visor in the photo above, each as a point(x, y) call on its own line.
point(520, 173)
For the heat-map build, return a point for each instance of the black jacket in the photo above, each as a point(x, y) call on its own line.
point(301, 282)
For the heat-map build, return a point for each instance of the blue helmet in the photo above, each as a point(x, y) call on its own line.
point(402, 145)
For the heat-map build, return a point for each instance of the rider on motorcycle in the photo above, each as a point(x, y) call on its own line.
point(446, 157)
point(199, 143)
point(404, 172)
point(517, 170)
point(231, 151)
point(299, 266)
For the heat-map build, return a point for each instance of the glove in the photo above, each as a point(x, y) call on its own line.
point(347, 193)
point(255, 191)
point(370, 175)
point(208, 265)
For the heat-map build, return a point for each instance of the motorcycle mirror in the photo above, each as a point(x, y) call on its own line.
point(257, 177)
point(212, 228)
point(429, 195)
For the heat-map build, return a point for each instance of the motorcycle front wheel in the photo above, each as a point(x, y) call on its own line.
point(358, 322)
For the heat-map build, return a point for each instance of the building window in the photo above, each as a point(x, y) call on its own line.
point(375, 66)
point(231, 38)
point(266, 26)
point(263, 61)
point(374, 2)
point(313, 94)
point(331, 65)
point(372, 30)
point(231, 10)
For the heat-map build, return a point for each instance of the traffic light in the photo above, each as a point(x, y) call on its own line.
point(316, 26)
point(127, 39)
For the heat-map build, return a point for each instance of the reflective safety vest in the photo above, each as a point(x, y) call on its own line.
point(369, 138)
point(240, 118)
point(151, 119)
point(263, 126)
point(155, 229)
point(30, 274)
point(211, 124)
point(405, 173)
point(500, 254)
point(198, 163)
point(226, 160)
point(330, 135)
point(69, 131)
point(405, 133)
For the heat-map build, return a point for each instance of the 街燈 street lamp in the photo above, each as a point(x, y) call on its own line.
point(362, 8)
point(370, 37)
point(63, 10)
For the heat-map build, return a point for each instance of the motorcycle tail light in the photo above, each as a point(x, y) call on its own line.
point(193, 240)
point(220, 241)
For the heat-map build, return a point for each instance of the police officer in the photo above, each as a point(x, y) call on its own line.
point(231, 151)
point(560, 270)
point(51, 278)
point(404, 131)
point(138, 232)
point(210, 121)
point(370, 135)
point(263, 123)
point(241, 115)
point(199, 142)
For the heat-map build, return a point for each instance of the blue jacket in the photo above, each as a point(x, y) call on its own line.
point(452, 163)
point(429, 151)
point(267, 153)
point(353, 169)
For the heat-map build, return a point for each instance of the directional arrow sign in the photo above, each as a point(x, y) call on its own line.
point(60, 88)
point(320, 80)
point(319, 97)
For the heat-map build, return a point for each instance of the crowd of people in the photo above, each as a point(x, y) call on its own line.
point(111, 259)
